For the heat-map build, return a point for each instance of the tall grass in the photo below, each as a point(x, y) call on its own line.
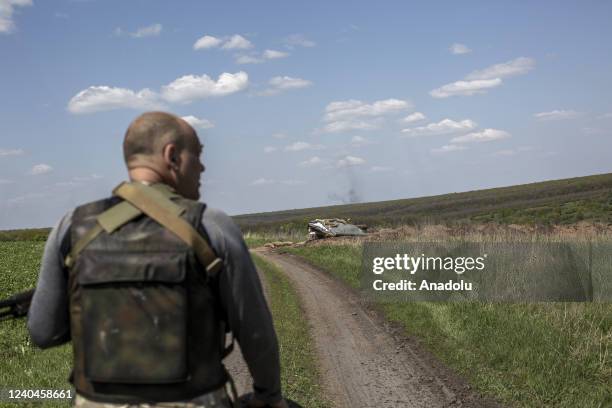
point(528, 355)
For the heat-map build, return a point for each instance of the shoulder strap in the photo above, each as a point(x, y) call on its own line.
point(108, 221)
point(158, 206)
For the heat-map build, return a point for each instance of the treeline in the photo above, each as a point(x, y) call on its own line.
point(31, 234)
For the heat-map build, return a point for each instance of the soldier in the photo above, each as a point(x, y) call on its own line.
point(146, 283)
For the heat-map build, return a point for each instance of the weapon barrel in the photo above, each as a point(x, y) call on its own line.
point(18, 304)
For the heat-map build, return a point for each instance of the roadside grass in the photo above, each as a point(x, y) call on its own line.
point(300, 376)
point(528, 355)
point(22, 365)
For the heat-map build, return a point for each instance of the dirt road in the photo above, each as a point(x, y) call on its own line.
point(362, 362)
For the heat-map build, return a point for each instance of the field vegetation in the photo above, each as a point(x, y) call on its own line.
point(563, 202)
point(528, 355)
point(299, 372)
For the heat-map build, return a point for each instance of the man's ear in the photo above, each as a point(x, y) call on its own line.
point(170, 155)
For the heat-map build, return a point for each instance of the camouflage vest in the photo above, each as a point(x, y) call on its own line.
point(146, 323)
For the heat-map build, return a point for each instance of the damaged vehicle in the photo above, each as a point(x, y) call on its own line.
point(334, 227)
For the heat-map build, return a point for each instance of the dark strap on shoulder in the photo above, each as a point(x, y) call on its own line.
point(159, 207)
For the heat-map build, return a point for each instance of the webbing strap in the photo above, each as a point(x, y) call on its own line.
point(157, 206)
point(117, 215)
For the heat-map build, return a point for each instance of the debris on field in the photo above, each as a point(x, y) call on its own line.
point(278, 244)
point(334, 227)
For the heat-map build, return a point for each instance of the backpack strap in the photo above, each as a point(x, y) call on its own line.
point(159, 207)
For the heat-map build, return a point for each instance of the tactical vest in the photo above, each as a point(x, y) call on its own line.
point(146, 323)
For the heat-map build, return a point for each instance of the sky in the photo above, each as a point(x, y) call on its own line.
point(303, 104)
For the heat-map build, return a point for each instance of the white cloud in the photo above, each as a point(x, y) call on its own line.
point(465, 88)
point(283, 83)
point(3, 181)
point(353, 114)
point(41, 169)
point(518, 66)
point(206, 42)
point(270, 149)
point(445, 126)
point(185, 89)
point(480, 81)
point(313, 161)
point(255, 58)
point(262, 181)
point(556, 114)
point(101, 98)
point(448, 149)
point(299, 146)
point(237, 42)
point(380, 169)
point(7, 8)
point(59, 14)
point(358, 141)
point(87, 178)
point(298, 40)
point(248, 59)
point(287, 82)
point(192, 87)
point(273, 54)
point(198, 123)
point(279, 135)
point(486, 135)
point(11, 152)
point(343, 126)
point(351, 109)
point(459, 49)
point(349, 161)
point(149, 31)
point(606, 116)
point(414, 117)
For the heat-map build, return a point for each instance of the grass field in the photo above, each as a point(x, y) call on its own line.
point(563, 201)
point(23, 366)
point(527, 355)
point(300, 378)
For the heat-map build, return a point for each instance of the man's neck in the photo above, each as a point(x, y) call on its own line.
point(145, 175)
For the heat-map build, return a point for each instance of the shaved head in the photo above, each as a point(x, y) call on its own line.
point(147, 135)
point(161, 147)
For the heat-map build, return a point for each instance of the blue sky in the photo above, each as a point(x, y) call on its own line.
point(303, 104)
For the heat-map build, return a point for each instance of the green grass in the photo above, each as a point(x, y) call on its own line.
point(300, 378)
point(22, 365)
point(527, 355)
point(565, 201)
